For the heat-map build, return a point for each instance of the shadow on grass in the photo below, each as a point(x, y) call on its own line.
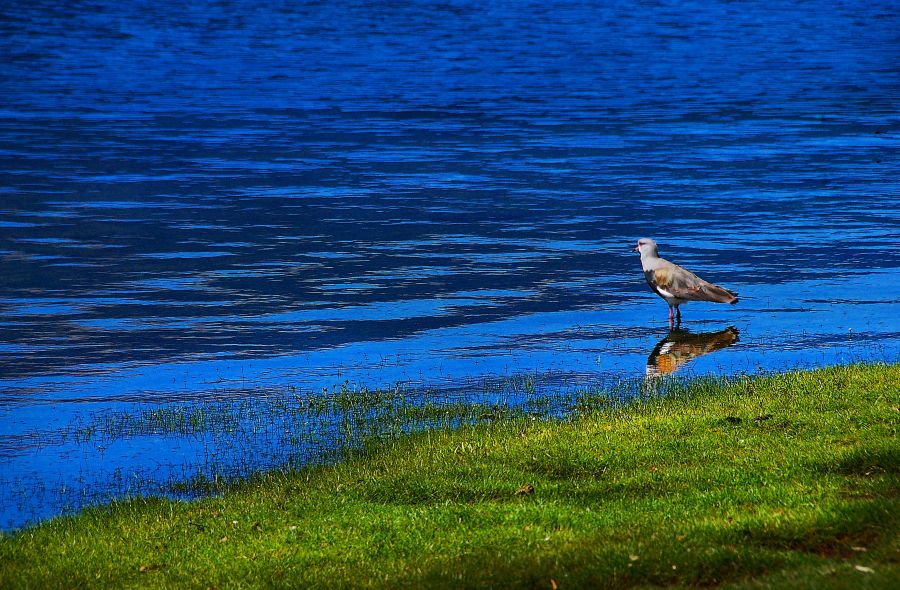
point(625, 559)
point(867, 462)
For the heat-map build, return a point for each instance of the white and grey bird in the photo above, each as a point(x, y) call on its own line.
point(675, 284)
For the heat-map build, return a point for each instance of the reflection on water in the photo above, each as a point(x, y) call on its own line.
point(681, 346)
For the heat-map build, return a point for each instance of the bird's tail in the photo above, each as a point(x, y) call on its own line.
point(719, 294)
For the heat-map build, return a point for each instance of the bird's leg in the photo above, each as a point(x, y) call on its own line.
point(671, 316)
point(678, 315)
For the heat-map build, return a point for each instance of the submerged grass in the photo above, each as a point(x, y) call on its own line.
point(780, 481)
point(201, 447)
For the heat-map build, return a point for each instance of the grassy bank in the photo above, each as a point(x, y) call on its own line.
point(781, 481)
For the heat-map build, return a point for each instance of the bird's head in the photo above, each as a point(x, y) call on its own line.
point(646, 247)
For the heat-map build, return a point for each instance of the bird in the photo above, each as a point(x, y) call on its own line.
point(675, 284)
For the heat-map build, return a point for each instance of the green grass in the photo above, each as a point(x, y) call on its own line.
point(782, 481)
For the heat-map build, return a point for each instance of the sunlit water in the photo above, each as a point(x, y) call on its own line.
point(213, 200)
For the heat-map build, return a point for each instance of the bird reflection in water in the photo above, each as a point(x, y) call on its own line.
point(680, 347)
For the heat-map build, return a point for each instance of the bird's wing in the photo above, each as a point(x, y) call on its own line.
point(684, 284)
point(657, 281)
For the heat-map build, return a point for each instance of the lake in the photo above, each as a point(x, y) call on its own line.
point(226, 201)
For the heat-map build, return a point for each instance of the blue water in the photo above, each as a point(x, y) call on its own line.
point(203, 200)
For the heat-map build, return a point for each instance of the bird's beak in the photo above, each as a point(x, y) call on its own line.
point(636, 248)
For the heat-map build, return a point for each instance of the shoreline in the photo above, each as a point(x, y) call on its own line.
point(777, 480)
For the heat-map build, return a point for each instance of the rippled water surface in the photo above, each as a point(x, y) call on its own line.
point(210, 200)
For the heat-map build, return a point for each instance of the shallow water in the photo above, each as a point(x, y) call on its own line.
point(209, 201)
